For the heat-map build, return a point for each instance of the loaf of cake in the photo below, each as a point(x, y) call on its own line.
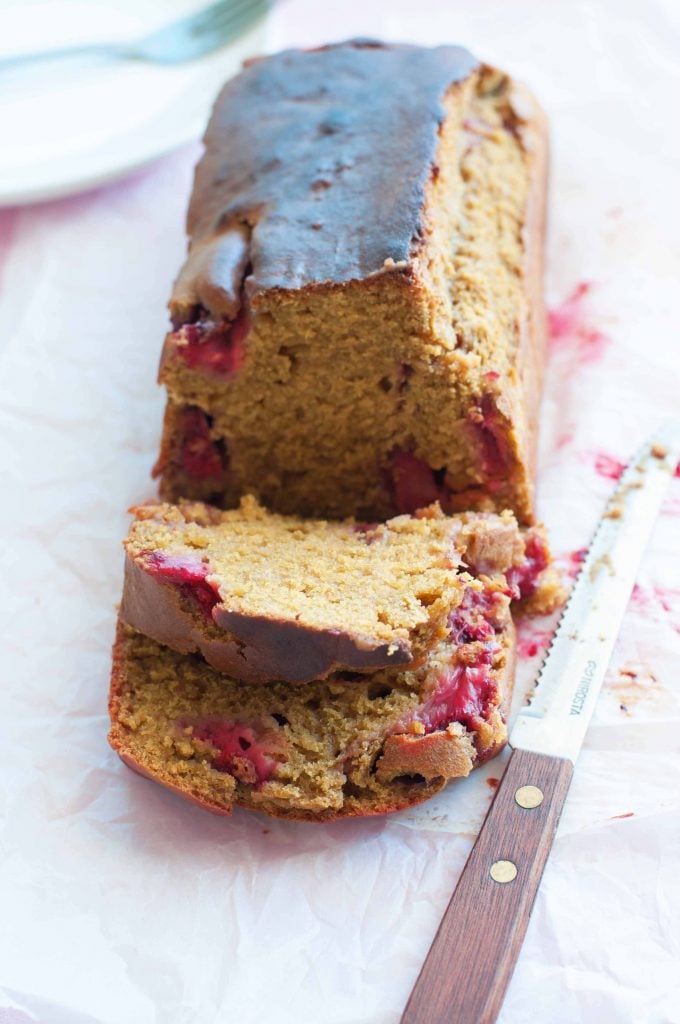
point(268, 597)
point(358, 328)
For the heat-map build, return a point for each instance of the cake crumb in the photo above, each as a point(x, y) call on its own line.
point(604, 562)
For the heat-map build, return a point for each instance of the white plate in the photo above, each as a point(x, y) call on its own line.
point(68, 126)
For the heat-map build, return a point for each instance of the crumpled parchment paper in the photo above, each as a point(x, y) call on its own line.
point(122, 905)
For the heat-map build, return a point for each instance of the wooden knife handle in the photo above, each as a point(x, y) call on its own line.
point(471, 959)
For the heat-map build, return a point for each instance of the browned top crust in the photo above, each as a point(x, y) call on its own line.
point(315, 167)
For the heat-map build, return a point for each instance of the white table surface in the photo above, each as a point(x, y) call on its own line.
point(122, 905)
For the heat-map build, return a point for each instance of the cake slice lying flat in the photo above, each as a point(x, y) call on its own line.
point(265, 597)
point(350, 745)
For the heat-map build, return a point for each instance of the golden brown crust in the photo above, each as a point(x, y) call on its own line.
point(448, 754)
point(156, 610)
point(223, 810)
point(365, 809)
point(533, 129)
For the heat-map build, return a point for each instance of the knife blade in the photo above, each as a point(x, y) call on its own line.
point(556, 719)
point(472, 956)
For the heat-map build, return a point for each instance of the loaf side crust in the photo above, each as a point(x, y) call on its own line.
point(533, 127)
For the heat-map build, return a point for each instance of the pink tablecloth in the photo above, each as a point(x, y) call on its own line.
point(120, 903)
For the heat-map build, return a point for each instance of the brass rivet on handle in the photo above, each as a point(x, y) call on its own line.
point(503, 871)
point(528, 797)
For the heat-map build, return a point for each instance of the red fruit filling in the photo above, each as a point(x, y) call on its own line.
point(414, 483)
point(240, 751)
point(568, 322)
point(475, 616)
point(185, 572)
point(567, 318)
point(608, 467)
point(489, 432)
point(214, 347)
point(463, 694)
point(523, 579)
point(200, 454)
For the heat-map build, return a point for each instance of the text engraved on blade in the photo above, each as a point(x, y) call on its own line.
point(579, 697)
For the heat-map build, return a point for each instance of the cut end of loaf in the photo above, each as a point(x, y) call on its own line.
point(410, 374)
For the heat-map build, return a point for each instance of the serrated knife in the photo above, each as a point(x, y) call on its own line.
point(470, 962)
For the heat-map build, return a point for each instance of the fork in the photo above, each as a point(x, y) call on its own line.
point(184, 40)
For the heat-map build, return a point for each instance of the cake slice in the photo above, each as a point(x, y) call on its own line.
point(266, 597)
point(358, 328)
point(349, 745)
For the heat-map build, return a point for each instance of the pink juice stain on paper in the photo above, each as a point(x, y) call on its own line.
point(648, 603)
point(640, 598)
point(570, 562)
point(633, 683)
point(607, 466)
point(531, 642)
point(671, 506)
point(8, 220)
point(643, 598)
point(569, 326)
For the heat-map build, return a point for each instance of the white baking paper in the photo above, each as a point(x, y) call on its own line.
point(120, 904)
